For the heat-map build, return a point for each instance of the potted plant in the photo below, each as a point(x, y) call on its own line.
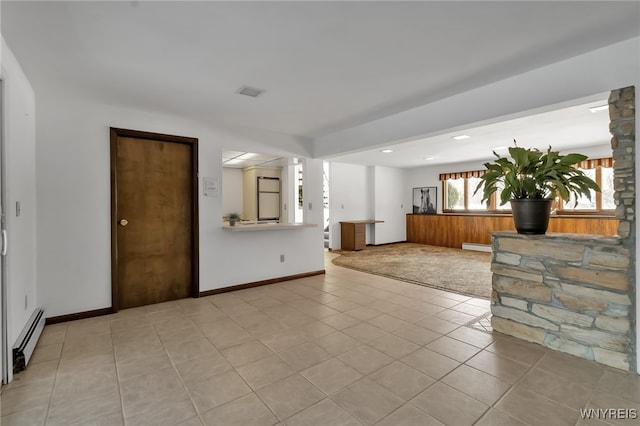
point(531, 180)
point(233, 218)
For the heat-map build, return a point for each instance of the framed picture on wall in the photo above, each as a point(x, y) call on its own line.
point(425, 200)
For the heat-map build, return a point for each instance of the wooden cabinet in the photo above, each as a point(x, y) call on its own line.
point(353, 234)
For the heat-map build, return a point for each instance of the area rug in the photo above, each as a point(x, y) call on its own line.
point(460, 271)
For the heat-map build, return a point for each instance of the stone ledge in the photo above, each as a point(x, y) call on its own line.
point(541, 247)
point(556, 236)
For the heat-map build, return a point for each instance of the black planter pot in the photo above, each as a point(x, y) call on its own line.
point(531, 215)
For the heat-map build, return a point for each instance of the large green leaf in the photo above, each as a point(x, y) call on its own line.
point(530, 173)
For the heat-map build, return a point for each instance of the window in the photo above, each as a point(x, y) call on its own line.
point(496, 202)
point(600, 170)
point(474, 202)
point(606, 185)
point(582, 202)
point(455, 194)
point(299, 177)
point(459, 187)
point(458, 191)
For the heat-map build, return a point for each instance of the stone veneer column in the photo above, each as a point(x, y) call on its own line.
point(622, 113)
point(622, 128)
point(577, 293)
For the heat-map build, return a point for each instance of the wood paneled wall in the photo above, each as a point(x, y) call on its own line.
point(453, 230)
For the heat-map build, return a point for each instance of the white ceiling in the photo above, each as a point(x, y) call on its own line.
point(574, 127)
point(324, 66)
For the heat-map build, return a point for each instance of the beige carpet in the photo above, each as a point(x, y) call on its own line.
point(461, 271)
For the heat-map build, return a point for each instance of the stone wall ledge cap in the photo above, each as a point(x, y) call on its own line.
point(556, 236)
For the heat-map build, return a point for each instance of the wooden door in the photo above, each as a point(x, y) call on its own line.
point(154, 218)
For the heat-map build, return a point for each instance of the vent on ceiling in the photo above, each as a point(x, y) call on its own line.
point(250, 91)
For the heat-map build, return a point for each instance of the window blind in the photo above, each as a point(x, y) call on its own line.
point(595, 163)
point(586, 164)
point(466, 175)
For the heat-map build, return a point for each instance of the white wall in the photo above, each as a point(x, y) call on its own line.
point(288, 194)
point(367, 192)
point(231, 190)
point(19, 137)
point(389, 205)
point(350, 198)
point(313, 211)
point(74, 207)
point(430, 176)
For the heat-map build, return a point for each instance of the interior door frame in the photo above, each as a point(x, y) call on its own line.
point(6, 355)
point(115, 133)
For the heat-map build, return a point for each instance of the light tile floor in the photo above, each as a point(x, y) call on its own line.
point(346, 348)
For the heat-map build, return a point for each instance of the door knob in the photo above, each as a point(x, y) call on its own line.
point(124, 222)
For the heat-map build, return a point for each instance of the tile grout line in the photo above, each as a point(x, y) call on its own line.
point(529, 369)
point(55, 380)
point(175, 369)
point(199, 414)
point(115, 362)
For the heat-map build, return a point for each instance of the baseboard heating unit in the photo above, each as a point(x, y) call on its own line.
point(26, 343)
point(476, 247)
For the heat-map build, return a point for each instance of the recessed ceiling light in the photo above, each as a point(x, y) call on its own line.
point(598, 108)
point(428, 158)
point(460, 137)
point(386, 151)
point(250, 91)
